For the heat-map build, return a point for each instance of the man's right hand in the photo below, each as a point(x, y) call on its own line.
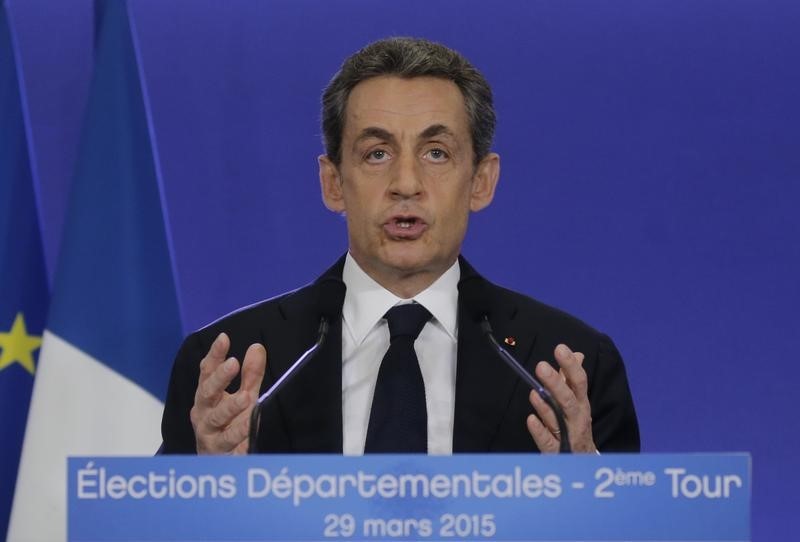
point(221, 420)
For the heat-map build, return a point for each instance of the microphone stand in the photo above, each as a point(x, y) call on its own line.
point(564, 446)
point(255, 414)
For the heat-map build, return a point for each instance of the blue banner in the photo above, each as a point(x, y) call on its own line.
point(699, 497)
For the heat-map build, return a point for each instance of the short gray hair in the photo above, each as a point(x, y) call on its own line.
point(408, 58)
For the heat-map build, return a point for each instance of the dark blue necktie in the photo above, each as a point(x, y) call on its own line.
point(398, 422)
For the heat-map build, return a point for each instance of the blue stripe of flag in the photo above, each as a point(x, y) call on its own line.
point(114, 294)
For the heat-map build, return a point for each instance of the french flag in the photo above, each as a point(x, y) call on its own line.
point(114, 322)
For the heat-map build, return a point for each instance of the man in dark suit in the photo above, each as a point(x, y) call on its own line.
point(408, 126)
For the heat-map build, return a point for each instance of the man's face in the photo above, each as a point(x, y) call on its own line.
point(407, 180)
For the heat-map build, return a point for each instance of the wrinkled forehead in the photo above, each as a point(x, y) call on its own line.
point(395, 103)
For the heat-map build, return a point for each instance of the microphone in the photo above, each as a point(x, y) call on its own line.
point(330, 297)
point(475, 300)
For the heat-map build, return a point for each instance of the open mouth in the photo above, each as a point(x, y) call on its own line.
point(405, 223)
point(405, 227)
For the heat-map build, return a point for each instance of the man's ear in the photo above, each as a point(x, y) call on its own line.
point(331, 184)
point(484, 182)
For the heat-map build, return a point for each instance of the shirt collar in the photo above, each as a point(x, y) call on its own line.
point(366, 301)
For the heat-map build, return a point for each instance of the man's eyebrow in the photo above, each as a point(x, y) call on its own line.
point(375, 132)
point(436, 130)
point(380, 133)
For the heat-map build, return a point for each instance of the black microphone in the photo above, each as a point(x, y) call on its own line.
point(475, 300)
point(330, 297)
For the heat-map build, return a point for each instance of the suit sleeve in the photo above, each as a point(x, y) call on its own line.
point(614, 424)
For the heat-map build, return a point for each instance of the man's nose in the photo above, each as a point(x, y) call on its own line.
point(406, 178)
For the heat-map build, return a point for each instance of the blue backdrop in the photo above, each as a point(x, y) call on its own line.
point(650, 177)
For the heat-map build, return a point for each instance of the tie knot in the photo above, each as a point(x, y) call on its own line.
point(407, 320)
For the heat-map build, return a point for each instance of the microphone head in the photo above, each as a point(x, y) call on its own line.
point(474, 297)
point(330, 297)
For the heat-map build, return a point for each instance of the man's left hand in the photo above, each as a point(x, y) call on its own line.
point(570, 390)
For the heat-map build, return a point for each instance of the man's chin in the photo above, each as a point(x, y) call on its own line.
point(411, 262)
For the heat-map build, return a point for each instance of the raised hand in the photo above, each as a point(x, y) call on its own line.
point(569, 389)
point(221, 420)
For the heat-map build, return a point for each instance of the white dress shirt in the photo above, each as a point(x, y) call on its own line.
point(365, 340)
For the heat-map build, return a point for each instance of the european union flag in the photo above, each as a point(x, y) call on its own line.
point(23, 282)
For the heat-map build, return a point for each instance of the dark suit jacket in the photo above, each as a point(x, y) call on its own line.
point(491, 401)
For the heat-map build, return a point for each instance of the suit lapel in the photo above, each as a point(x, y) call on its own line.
point(484, 383)
point(312, 405)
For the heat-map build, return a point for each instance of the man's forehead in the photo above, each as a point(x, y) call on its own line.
point(424, 100)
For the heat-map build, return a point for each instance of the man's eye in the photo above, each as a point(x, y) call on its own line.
point(378, 155)
point(437, 155)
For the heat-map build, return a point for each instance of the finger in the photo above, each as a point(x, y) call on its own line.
point(544, 412)
point(224, 414)
point(210, 390)
point(242, 448)
point(542, 436)
point(561, 392)
point(571, 364)
point(253, 368)
point(235, 436)
point(577, 410)
point(215, 356)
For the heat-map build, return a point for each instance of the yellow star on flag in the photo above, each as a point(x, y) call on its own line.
point(18, 346)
